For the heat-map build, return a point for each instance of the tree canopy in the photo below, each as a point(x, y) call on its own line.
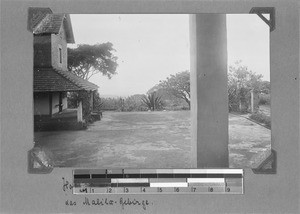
point(265, 87)
point(88, 60)
point(241, 77)
point(178, 85)
point(241, 81)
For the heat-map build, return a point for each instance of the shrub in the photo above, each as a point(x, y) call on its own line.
point(261, 118)
point(85, 97)
point(97, 104)
point(152, 101)
point(110, 104)
point(134, 103)
point(264, 99)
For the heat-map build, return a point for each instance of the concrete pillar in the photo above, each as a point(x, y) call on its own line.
point(79, 112)
point(209, 105)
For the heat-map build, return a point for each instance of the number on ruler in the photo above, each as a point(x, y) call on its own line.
point(193, 189)
point(159, 189)
point(83, 190)
point(176, 189)
point(227, 189)
point(210, 189)
point(126, 189)
point(92, 190)
point(144, 189)
point(109, 190)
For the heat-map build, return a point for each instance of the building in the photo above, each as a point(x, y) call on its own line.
point(52, 80)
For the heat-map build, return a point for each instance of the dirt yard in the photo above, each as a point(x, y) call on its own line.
point(148, 140)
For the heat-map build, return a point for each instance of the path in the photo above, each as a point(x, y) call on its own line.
point(147, 140)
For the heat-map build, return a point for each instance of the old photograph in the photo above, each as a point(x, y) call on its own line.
point(114, 90)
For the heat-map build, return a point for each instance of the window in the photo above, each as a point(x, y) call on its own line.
point(60, 55)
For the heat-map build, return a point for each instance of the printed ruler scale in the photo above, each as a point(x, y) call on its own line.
point(144, 181)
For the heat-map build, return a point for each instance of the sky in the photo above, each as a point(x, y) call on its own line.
point(151, 47)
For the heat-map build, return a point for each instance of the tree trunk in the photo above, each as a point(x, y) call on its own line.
point(188, 102)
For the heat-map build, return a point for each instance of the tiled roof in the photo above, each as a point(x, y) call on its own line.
point(52, 23)
point(36, 14)
point(50, 79)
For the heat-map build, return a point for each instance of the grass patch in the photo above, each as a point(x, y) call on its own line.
point(261, 118)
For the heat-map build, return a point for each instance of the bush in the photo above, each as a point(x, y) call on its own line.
point(152, 101)
point(85, 97)
point(261, 118)
point(264, 99)
point(127, 104)
point(134, 103)
point(97, 104)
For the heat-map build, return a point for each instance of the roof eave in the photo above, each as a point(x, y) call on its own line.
point(69, 30)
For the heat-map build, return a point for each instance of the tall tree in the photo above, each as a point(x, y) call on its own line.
point(241, 81)
point(88, 60)
point(242, 77)
point(178, 85)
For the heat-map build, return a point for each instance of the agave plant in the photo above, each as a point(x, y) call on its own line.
point(152, 101)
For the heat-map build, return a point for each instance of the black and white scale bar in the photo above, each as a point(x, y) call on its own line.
point(106, 181)
point(155, 182)
point(157, 173)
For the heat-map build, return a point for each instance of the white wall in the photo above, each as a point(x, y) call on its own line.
point(57, 41)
